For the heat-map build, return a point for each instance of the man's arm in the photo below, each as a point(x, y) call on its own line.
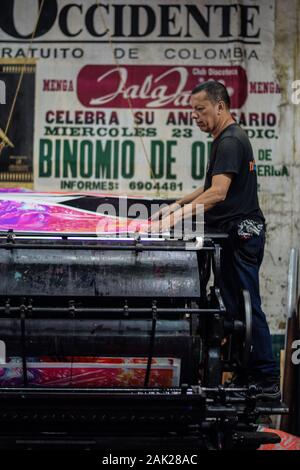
point(177, 204)
point(190, 197)
point(209, 198)
point(216, 193)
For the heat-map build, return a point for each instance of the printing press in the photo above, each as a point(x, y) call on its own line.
point(121, 342)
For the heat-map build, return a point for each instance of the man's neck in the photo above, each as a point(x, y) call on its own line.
point(228, 120)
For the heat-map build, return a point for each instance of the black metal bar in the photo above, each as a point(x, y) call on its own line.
point(15, 234)
point(151, 346)
point(133, 247)
point(213, 406)
point(217, 265)
point(219, 299)
point(23, 345)
point(33, 240)
point(191, 311)
point(72, 391)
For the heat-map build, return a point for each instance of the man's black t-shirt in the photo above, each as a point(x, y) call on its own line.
point(231, 152)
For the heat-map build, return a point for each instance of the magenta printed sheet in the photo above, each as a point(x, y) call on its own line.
point(90, 372)
point(23, 211)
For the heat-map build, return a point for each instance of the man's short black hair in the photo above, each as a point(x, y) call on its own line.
point(215, 91)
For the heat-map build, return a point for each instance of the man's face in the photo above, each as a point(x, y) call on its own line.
point(204, 112)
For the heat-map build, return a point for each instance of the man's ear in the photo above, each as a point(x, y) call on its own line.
point(221, 106)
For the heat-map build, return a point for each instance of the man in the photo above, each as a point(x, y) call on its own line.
point(231, 204)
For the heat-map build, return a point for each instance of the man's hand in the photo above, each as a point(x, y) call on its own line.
point(169, 209)
point(165, 211)
point(166, 223)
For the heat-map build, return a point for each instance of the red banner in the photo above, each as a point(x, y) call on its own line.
point(150, 87)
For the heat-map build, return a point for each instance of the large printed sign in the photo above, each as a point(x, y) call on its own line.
point(126, 128)
point(101, 134)
point(77, 30)
point(113, 85)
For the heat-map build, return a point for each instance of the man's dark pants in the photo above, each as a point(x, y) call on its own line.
point(240, 263)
